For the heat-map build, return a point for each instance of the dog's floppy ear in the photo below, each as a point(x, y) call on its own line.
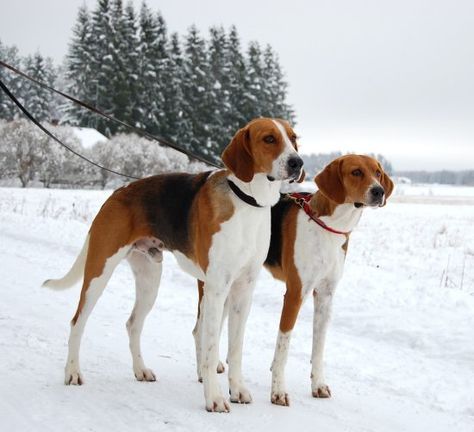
point(329, 182)
point(386, 183)
point(237, 157)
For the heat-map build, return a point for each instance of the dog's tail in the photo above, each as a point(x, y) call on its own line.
point(74, 274)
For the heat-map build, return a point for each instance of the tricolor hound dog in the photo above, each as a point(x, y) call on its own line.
point(309, 239)
point(308, 249)
point(217, 225)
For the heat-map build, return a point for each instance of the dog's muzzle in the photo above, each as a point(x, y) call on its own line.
point(293, 167)
point(376, 195)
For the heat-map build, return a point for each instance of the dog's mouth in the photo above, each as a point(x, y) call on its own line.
point(374, 204)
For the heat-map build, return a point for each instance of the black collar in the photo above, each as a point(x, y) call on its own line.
point(250, 200)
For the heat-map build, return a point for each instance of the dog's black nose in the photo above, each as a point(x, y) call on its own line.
point(377, 192)
point(295, 163)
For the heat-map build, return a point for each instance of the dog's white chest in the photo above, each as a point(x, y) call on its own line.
point(242, 241)
point(318, 253)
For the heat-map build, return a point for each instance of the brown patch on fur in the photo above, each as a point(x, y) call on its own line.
point(321, 205)
point(200, 284)
point(112, 229)
point(209, 211)
point(289, 273)
point(346, 244)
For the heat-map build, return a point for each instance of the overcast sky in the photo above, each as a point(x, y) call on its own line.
point(393, 77)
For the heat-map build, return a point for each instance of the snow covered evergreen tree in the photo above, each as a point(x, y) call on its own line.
point(236, 116)
point(80, 75)
point(37, 99)
point(103, 66)
point(173, 93)
point(152, 69)
point(253, 85)
point(130, 52)
point(197, 108)
point(275, 88)
point(9, 54)
point(219, 107)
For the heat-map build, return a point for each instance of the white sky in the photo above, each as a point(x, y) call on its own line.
point(387, 76)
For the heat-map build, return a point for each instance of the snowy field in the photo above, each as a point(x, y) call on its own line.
point(400, 351)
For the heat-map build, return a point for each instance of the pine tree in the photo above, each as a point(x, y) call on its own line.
point(8, 109)
point(36, 98)
point(197, 107)
point(103, 66)
point(253, 85)
point(152, 69)
point(81, 80)
point(274, 88)
point(236, 116)
point(130, 51)
point(219, 91)
point(173, 92)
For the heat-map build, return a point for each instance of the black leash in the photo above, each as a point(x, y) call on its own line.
point(95, 110)
point(47, 132)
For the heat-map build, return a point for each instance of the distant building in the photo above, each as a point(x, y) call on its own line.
point(88, 136)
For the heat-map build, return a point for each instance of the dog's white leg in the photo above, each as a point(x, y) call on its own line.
point(291, 307)
point(215, 294)
point(147, 274)
point(322, 311)
point(240, 299)
point(197, 334)
point(279, 395)
point(91, 295)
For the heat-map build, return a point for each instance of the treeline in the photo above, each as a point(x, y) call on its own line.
point(462, 178)
point(29, 156)
point(196, 90)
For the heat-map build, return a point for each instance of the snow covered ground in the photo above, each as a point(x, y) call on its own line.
point(400, 351)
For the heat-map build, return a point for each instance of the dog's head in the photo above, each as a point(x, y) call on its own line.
point(264, 146)
point(356, 179)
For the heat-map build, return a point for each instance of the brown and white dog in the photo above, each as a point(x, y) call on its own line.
point(308, 249)
point(217, 225)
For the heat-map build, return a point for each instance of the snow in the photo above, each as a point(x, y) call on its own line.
point(88, 136)
point(400, 352)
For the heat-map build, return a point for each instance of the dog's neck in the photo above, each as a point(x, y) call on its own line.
point(342, 217)
point(265, 192)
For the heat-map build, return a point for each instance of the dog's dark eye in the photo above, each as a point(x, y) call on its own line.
point(378, 173)
point(293, 138)
point(357, 173)
point(269, 139)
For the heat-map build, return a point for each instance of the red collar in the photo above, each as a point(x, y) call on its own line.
point(302, 200)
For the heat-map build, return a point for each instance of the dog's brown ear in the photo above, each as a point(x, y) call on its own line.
point(386, 183)
point(237, 157)
point(329, 182)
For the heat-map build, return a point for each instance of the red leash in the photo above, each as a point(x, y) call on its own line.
point(302, 200)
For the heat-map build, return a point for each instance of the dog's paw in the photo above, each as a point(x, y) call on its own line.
point(144, 374)
point(280, 398)
point(73, 378)
point(217, 404)
point(240, 395)
point(321, 391)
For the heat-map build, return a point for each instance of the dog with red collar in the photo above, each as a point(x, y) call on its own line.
point(310, 235)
